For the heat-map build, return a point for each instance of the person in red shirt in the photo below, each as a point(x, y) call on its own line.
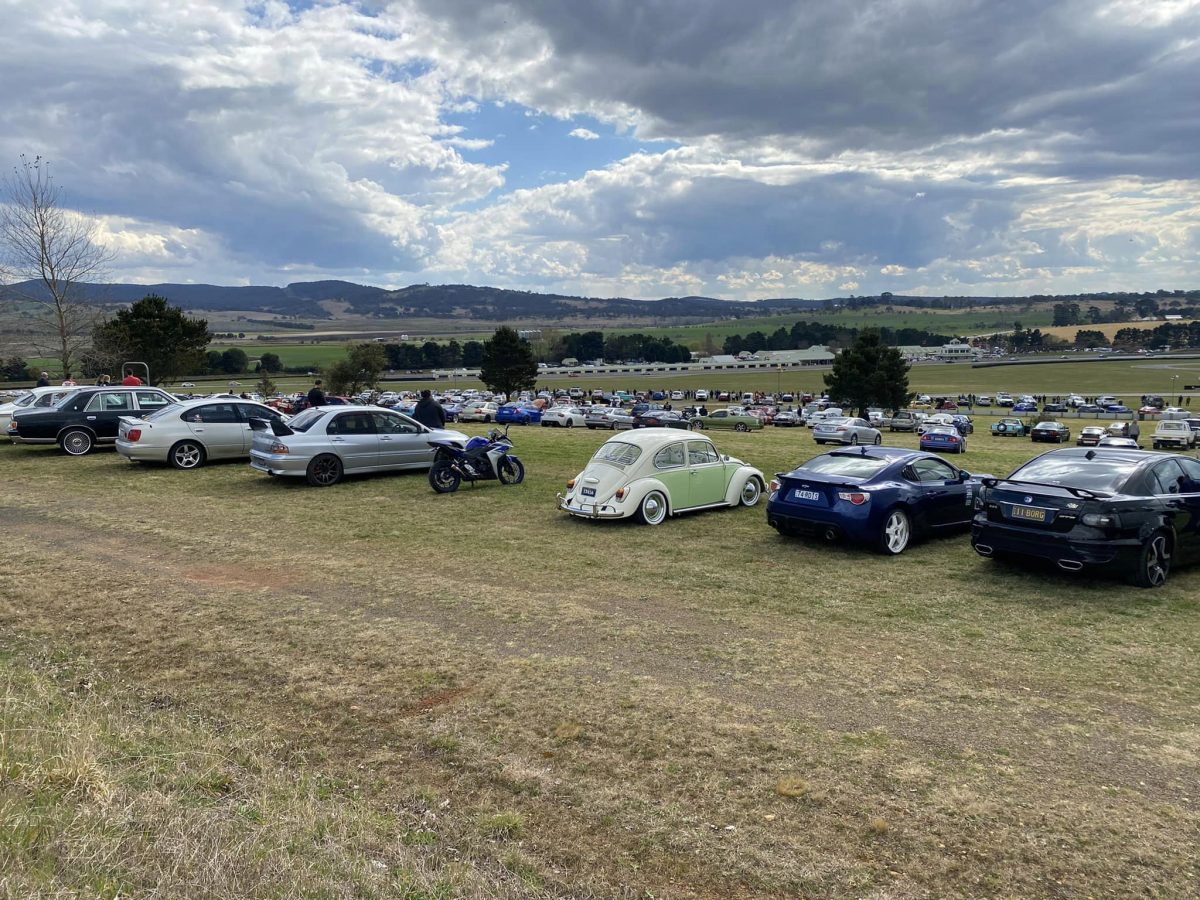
point(131, 380)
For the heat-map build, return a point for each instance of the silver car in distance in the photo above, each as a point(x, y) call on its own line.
point(327, 442)
point(190, 432)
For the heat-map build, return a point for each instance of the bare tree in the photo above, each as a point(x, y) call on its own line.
point(48, 254)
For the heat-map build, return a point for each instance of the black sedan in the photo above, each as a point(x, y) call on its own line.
point(1128, 510)
point(1053, 432)
point(86, 418)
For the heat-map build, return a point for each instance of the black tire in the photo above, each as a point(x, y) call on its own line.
point(896, 533)
point(77, 442)
point(487, 419)
point(187, 455)
point(878, 439)
point(751, 495)
point(511, 471)
point(653, 509)
point(741, 426)
point(324, 470)
point(698, 425)
point(443, 477)
point(1154, 561)
point(854, 440)
point(570, 423)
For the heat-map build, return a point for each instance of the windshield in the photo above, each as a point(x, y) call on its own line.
point(617, 453)
point(305, 420)
point(164, 412)
point(1105, 474)
point(857, 466)
point(65, 401)
point(24, 399)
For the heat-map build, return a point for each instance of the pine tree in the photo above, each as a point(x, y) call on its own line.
point(508, 363)
point(869, 373)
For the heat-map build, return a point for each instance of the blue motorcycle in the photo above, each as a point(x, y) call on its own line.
point(482, 459)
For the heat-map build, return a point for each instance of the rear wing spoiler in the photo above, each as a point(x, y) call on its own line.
point(277, 428)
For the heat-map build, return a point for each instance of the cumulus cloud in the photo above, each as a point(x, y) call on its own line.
point(811, 148)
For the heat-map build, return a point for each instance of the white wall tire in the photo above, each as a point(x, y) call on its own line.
point(653, 509)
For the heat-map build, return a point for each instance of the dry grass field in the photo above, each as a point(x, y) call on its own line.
point(216, 684)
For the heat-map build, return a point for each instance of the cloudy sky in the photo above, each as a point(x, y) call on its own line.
point(640, 148)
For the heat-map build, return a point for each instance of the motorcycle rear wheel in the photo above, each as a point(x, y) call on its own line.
point(511, 471)
point(443, 478)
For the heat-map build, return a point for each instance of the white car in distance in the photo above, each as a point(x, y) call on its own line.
point(563, 417)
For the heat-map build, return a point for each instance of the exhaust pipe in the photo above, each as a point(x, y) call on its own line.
point(1070, 565)
point(983, 550)
point(831, 534)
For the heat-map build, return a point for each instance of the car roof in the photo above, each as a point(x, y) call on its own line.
point(654, 437)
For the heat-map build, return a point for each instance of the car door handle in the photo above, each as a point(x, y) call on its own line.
point(385, 438)
point(198, 430)
point(337, 440)
point(91, 418)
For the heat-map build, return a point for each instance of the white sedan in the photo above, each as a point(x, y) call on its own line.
point(189, 433)
point(563, 417)
point(479, 411)
point(34, 398)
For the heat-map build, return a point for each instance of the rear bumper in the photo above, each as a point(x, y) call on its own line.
point(141, 452)
point(853, 524)
point(991, 538)
point(589, 511)
point(278, 465)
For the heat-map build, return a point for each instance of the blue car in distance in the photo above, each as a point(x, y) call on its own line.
point(883, 497)
point(943, 437)
point(519, 414)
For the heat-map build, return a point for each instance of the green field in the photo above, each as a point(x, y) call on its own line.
point(218, 684)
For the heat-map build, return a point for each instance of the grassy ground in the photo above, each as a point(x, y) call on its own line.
point(521, 703)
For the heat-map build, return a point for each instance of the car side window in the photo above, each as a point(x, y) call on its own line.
point(387, 424)
point(151, 400)
point(933, 471)
point(212, 414)
point(669, 457)
point(1166, 478)
point(352, 423)
point(1191, 471)
point(114, 402)
point(250, 411)
point(701, 453)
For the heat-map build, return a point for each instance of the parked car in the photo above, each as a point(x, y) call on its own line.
point(563, 417)
point(1053, 408)
point(479, 411)
point(964, 424)
point(1090, 436)
point(34, 398)
point(188, 434)
point(1025, 406)
point(653, 473)
point(1009, 428)
point(327, 442)
point(1090, 408)
point(1130, 511)
point(1174, 433)
point(85, 418)
point(1112, 440)
point(904, 420)
point(662, 418)
point(846, 430)
point(880, 496)
point(943, 437)
point(787, 419)
point(725, 418)
point(935, 419)
point(1053, 432)
point(519, 414)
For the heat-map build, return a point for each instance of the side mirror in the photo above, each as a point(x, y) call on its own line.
point(964, 476)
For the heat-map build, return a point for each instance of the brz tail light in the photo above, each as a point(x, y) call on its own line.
point(133, 435)
point(279, 448)
point(774, 486)
point(620, 495)
point(858, 498)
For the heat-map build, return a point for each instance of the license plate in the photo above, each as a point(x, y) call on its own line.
point(589, 492)
point(1029, 513)
point(806, 495)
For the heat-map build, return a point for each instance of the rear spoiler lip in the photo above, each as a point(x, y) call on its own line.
point(279, 429)
point(1082, 493)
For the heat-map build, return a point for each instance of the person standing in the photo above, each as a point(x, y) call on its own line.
point(429, 412)
point(1135, 430)
point(131, 380)
point(316, 394)
point(44, 381)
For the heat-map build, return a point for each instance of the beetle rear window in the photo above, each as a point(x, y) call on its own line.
point(846, 466)
point(618, 453)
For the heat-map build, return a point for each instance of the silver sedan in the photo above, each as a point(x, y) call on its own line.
point(846, 430)
point(188, 433)
point(324, 443)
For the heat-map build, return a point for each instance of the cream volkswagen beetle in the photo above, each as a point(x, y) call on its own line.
point(652, 473)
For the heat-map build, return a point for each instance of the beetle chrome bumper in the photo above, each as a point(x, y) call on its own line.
point(588, 510)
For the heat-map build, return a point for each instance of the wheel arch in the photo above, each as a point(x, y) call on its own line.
point(636, 493)
point(733, 493)
point(69, 428)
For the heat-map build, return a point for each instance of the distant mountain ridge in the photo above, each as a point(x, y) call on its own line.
point(311, 299)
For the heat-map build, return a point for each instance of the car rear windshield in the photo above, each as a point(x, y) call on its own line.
point(857, 466)
point(1105, 474)
point(305, 420)
point(164, 411)
point(618, 453)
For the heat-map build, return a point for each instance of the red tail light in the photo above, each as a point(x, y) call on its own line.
point(857, 498)
point(133, 435)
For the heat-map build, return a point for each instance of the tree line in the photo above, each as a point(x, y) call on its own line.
point(803, 335)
